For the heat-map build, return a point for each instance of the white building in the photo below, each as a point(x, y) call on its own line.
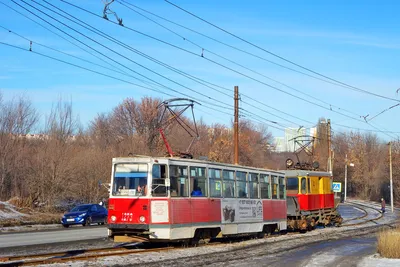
point(290, 135)
point(279, 144)
point(286, 143)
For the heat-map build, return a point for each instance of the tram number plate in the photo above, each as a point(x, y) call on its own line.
point(70, 220)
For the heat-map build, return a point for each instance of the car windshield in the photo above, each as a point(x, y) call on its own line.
point(130, 179)
point(81, 208)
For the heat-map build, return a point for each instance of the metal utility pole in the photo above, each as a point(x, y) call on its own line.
point(345, 179)
point(236, 127)
point(329, 168)
point(391, 178)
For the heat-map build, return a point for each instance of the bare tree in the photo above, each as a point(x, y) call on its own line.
point(17, 117)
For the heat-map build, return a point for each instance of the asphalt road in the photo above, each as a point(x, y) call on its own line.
point(47, 237)
point(343, 252)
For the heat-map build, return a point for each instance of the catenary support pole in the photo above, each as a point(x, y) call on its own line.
point(391, 176)
point(236, 127)
point(345, 179)
point(329, 146)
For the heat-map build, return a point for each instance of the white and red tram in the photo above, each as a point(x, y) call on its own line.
point(173, 199)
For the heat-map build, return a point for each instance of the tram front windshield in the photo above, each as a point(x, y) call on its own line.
point(130, 179)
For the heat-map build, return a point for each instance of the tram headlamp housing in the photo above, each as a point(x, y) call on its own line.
point(142, 219)
point(289, 163)
point(113, 218)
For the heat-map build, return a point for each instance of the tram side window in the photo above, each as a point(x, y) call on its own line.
point(264, 185)
point(179, 181)
point(241, 184)
point(228, 183)
point(215, 181)
point(253, 185)
point(282, 187)
point(198, 182)
point(275, 187)
point(158, 187)
point(303, 185)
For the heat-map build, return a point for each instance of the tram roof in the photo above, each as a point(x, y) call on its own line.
point(191, 161)
point(306, 173)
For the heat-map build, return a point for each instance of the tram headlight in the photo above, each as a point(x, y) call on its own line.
point(142, 219)
point(113, 218)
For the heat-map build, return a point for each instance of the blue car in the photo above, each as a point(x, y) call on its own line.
point(85, 215)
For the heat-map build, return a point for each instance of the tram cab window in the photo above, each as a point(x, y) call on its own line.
point(253, 185)
point(275, 187)
point(282, 186)
point(198, 182)
point(158, 186)
point(303, 185)
point(130, 179)
point(241, 184)
point(292, 185)
point(264, 186)
point(179, 181)
point(228, 183)
point(214, 176)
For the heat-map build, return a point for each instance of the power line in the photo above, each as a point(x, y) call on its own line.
point(136, 51)
point(84, 68)
point(102, 74)
point(107, 36)
point(60, 36)
point(282, 58)
point(219, 64)
point(199, 46)
point(226, 44)
point(176, 91)
point(104, 36)
point(220, 56)
point(383, 111)
point(76, 57)
point(117, 62)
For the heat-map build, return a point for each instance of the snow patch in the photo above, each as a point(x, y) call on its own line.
point(8, 211)
point(376, 261)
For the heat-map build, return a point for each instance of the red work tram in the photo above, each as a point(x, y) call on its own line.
point(160, 199)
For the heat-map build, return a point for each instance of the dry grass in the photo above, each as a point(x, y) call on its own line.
point(35, 218)
point(389, 243)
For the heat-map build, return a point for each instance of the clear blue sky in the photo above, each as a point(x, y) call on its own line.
point(356, 42)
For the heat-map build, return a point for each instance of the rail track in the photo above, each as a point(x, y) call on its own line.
point(75, 255)
point(365, 218)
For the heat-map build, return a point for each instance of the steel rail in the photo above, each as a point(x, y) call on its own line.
point(365, 221)
point(358, 217)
